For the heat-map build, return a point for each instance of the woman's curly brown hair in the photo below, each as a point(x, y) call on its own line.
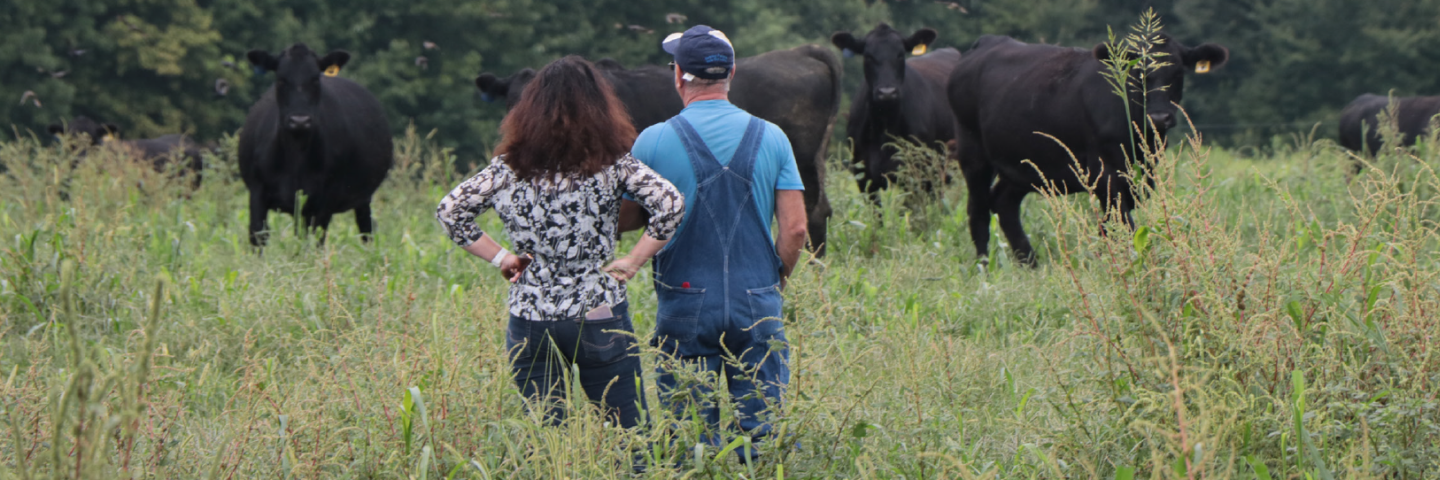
point(568, 121)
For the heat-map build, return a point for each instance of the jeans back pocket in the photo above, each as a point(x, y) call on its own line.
point(518, 346)
point(606, 341)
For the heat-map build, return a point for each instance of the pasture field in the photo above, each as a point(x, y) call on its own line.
point(1270, 318)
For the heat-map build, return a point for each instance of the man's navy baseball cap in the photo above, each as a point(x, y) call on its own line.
point(701, 52)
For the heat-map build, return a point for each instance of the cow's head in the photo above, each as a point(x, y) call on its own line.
point(884, 50)
point(509, 88)
point(1164, 85)
point(98, 132)
point(297, 82)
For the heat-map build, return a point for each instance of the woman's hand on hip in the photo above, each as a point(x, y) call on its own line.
point(624, 268)
point(514, 265)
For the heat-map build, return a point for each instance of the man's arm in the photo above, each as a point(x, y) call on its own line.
point(633, 216)
point(790, 213)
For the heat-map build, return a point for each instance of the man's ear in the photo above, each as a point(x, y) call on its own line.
point(263, 59)
point(1205, 56)
point(924, 36)
point(491, 86)
point(336, 60)
point(847, 43)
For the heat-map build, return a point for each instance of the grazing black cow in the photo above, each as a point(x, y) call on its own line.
point(321, 134)
point(1359, 122)
point(796, 89)
point(160, 151)
point(901, 98)
point(1008, 96)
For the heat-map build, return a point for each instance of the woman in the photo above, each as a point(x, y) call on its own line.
point(556, 183)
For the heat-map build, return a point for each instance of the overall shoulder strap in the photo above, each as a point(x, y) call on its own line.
point(701, 159)
point(743, 161)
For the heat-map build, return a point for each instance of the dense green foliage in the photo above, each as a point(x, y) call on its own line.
point(151, 65)
point(1269, 317)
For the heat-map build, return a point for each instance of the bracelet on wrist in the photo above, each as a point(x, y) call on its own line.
point(499, 257)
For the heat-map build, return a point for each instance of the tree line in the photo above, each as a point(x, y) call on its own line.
point(165, 66)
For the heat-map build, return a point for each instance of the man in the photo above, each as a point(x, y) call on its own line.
point(719, 280)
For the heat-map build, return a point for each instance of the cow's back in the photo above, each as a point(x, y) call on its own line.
point(1034, 106)
point(797, 89)
point(1003, 77)
point(926, 110)
point(648, 92)
point(935, 67)
point(1359, 121)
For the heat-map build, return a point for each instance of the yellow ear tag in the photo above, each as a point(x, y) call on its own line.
point(1202, 66)
point(918, 50)
point(332, 71)
point(107, 137)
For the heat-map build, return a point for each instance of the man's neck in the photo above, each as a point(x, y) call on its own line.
point(700, 97)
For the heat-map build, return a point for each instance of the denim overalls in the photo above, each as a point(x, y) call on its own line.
point(718, 288)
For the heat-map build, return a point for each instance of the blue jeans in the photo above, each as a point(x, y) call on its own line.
point(542, 352)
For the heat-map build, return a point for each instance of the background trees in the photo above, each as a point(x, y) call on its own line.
point(152, 66)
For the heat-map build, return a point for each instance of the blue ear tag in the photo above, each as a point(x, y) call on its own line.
point(259, 72)
point(487, 97)
point(847, 53)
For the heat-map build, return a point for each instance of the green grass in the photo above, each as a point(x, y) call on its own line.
point(1270, 319)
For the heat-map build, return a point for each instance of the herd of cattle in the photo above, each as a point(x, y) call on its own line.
point(1018, 118)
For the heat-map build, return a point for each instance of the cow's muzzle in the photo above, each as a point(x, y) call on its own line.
point(885, 94)
point(1162, 120)
point(298, 122)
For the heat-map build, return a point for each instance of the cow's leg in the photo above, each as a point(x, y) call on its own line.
point(259, 233)
point(819, 224)
point(1007, 198)
point(318, 221)
point(979, 176)
point(364, 222)
point(1116, 198)
point(871, 181)
point(817, 205)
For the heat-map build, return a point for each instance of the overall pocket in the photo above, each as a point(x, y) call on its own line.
point(606, 341)
point(765, 312)
point(678, 317)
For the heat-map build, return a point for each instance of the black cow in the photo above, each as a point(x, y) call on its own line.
point(901, 98)
point(160, 151)
point(796, 89)
point(324, 135)
point(1008, 95)
point(1359, 122)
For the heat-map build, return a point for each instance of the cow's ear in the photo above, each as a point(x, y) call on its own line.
point(335, 60)
point(55, 129)
point(924, 36)
point(263, 59)
point(491, 86)
point(847, 43)
point(1206, 56)
point(111, 129)
point(1102, 53)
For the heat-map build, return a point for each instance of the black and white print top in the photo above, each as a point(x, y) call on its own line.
point(567, 223)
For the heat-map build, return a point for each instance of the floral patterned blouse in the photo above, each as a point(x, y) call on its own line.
point(567, 224)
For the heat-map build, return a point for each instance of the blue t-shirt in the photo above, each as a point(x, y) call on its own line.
point(721, 125)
